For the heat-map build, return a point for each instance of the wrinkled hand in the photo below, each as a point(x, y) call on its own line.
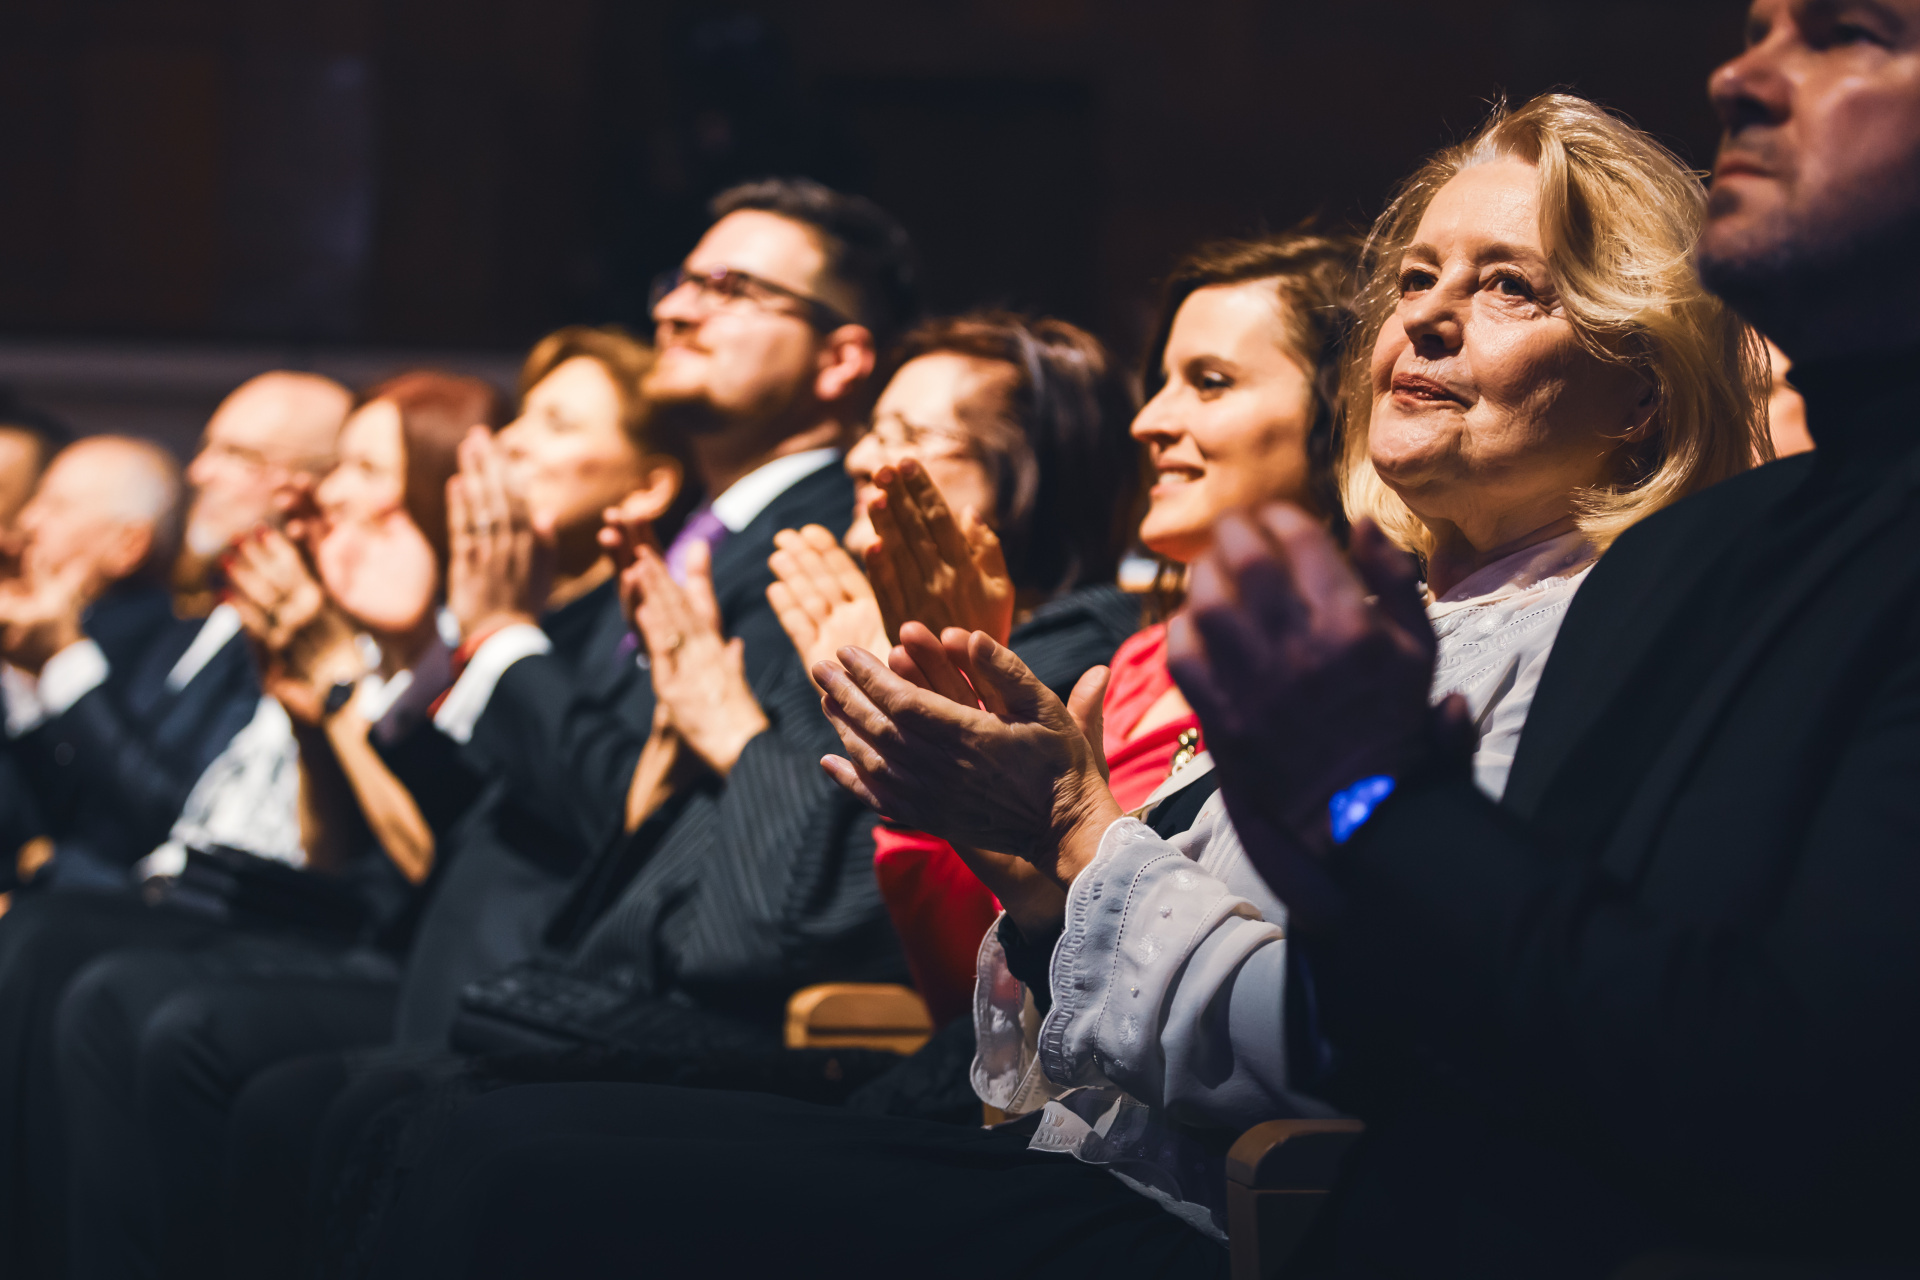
point(699, 675)
point(1302, 683)
point(500, 564)
point(40, 613)
point(1017, 772)
point(931, 566)
point(822, 599)
point(307, 646)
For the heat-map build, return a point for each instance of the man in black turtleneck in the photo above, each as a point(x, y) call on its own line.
point(1665, 998)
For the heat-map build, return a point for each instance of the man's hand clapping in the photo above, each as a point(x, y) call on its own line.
point(699, 675)
point(40, 612)
point(1309, 671)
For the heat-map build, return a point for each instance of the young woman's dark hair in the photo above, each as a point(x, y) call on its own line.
point(1314, 278)
point(1054, 440)
point(867, 248)
point(436, 412)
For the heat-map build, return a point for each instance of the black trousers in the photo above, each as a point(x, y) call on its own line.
point(44, 941)
point(612, 1180)
point(153, 1045)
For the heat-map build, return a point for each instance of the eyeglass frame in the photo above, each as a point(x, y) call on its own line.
point(820, 315)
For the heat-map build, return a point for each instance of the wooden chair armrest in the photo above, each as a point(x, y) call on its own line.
point(858, 1015)
point(1278, 1177)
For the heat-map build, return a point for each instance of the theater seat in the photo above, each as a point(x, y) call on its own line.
point(1278, 1177)
point(857, 1015)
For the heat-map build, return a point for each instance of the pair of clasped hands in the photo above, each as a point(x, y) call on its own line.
point(1309, 670)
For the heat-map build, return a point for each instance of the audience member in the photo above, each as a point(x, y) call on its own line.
point(198, 680)
point(1667, 996)
point(1786, 408)
point(1477, 292)
point(29, 439)
point(998, 466)
point(743, 876)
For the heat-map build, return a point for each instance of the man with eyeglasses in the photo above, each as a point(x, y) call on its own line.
point(741, 874)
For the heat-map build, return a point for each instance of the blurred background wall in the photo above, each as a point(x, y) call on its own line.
point(194, 189)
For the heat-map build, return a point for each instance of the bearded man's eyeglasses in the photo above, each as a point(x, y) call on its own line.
point(720, 286)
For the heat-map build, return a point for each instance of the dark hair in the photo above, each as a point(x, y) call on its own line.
point(49, 433)
point(1065, 470)
point(867, 250)
point(1314, 278)
point(436, 412)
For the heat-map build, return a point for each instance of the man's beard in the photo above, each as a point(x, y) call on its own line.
point(690, 415)
point(1810, 287)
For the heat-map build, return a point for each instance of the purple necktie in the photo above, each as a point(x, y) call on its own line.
point(701, 526)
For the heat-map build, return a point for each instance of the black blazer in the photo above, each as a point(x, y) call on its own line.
point(739, 892)
point(507, 849)
point(1668, 996)
point(110, 774)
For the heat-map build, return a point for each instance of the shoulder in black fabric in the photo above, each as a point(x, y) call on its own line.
point(1073, 632)
point(740, 572)
point(1650, 573)
point(589, 635)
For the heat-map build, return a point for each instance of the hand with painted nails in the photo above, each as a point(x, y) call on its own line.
point(932, 566)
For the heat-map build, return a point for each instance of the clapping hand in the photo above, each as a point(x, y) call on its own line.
point(40, 611)
point(822, 599)
point(500, 564)
point(1309, 671)
point(1016, 770)
point(931, 566)
point(306, 645)
point(699, 675)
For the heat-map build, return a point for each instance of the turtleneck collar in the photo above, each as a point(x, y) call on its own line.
point(1861, 409)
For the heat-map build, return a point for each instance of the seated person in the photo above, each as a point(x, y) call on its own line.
point(746, 874)
point(1162, 1036)
point(29, 439)
point(492, 867)
point(262, 446)
point(1021, 470)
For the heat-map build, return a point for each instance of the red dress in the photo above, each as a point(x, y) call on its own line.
point(940, 909)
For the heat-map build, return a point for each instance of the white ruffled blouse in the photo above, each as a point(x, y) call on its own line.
point(1166, 1033)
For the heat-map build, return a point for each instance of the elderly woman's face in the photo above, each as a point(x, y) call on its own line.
point(568, 451)
point(1488, 414)
point(1229, 426)
point(920, 415)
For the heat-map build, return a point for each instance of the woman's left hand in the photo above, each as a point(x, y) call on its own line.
point(1018, 772)
point(931, 566)
point(308, 646)
point(699, 675)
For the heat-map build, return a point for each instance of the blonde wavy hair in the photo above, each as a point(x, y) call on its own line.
point(1619, 215)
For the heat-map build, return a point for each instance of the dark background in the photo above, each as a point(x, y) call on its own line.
point(470, 173)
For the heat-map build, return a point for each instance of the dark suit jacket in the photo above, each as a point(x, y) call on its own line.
point(1669, 995)
point(110, 774)
point(738, 892)
point(507, 847)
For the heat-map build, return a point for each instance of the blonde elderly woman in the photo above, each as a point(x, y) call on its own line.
point(1537, 369)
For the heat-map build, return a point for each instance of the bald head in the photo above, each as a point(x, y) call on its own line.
point(112, 501)
point(273, 432)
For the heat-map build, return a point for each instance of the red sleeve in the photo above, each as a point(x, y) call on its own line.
point(941, 912)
